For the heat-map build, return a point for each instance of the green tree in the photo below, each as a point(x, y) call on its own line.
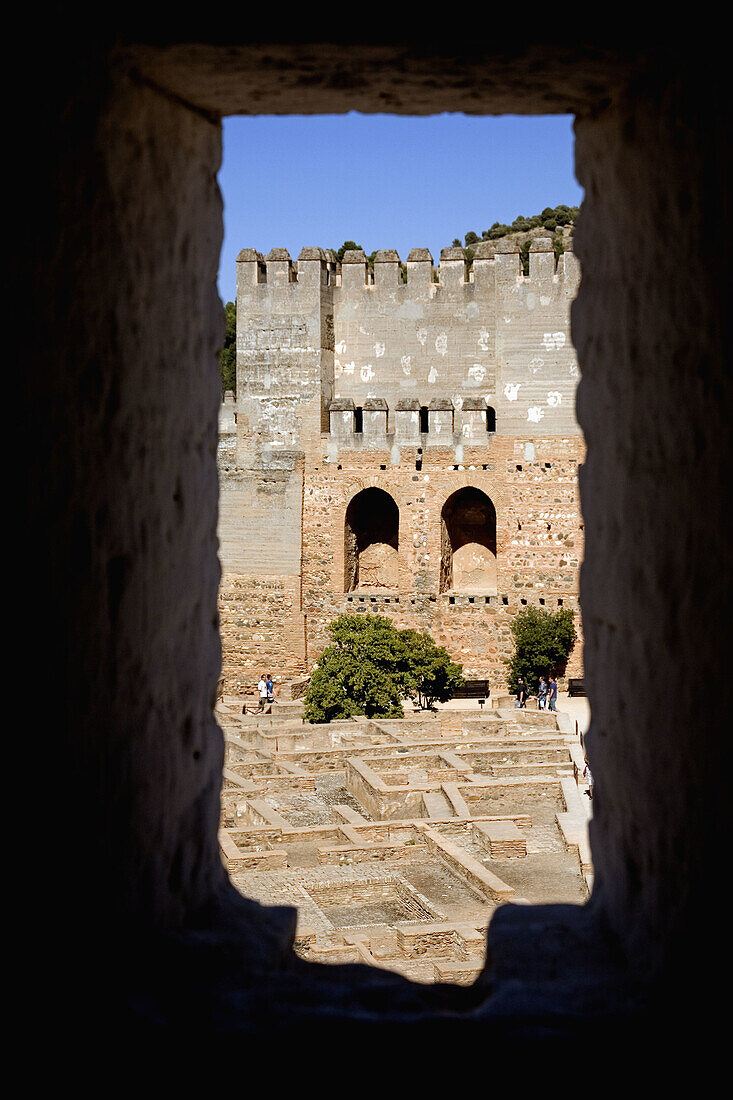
point(471, 238)
point(347, 246)
point(542, 642)
point(430, 673)
point(371, 667)
point(228, 354)
point(362, 672)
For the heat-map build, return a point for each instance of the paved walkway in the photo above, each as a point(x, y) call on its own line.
point(577, 707)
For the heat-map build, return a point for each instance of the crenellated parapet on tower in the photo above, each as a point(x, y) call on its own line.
point(285, 343)
point(402, 351)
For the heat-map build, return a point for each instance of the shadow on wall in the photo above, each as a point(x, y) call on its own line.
point(121, 517)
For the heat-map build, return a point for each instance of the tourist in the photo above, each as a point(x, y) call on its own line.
point(542, 694)
point(588, 776)
point(521, 693)
point(552, 694)
point(262, 689)
point(270, 688)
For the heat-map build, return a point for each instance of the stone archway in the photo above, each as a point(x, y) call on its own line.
point(468, 543)
point(371, 541)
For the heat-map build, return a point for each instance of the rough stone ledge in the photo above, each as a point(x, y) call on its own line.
point(551, 973)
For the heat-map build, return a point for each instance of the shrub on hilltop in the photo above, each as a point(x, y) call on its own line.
point(551, 220)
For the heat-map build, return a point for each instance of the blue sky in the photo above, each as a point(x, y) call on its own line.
point(385, 181)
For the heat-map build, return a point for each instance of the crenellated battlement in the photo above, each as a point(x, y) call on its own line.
point(314, 266)
point(493, 261)
point(442, 422)
point(418, 349)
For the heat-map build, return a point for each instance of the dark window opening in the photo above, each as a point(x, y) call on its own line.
point(371, 541)
point(490, 419)
point(424, 420)
point(468, 543)
point(358, 420)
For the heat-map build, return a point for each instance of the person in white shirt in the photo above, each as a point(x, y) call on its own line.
point(262, 688)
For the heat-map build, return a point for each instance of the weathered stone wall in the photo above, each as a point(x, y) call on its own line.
point(116, 265)
point(284, 353)
point(334, 366)
point(539, 547)
point(495, 335)
point(262, 628)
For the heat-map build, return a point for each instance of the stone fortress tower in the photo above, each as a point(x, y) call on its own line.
point(401, 447)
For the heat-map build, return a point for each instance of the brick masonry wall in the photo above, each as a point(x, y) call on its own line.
point(261, 627)
point(539, 546)
point(453, 347)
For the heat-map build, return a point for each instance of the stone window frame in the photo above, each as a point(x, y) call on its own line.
point(146, 101)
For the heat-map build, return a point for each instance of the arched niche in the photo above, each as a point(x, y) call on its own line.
point(371, 542)
point(468, 543)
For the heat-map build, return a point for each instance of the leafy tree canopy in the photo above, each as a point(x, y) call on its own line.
point(347, 246)
point(431, 674)
point(228, 354)
point(352, 246)
point(371, 667)
point(543, 640)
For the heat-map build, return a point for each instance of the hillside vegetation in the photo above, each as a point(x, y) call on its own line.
point(559, 221)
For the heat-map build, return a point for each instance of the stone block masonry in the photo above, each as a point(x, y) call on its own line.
point(406, 448)
point(347, 835)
